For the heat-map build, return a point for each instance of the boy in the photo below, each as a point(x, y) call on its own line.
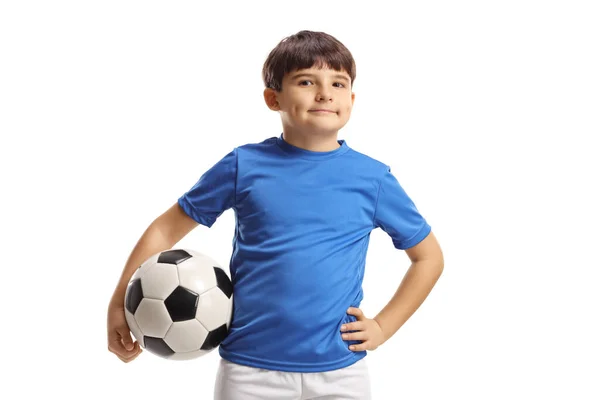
point(305, 204)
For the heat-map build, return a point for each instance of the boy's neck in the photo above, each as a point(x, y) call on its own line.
point(312, 142)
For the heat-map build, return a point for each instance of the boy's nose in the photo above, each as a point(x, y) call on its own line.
point(323, 95)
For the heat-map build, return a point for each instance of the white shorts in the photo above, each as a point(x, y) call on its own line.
point(240, 382)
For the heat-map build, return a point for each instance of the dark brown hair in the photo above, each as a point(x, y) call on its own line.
point(306, 49)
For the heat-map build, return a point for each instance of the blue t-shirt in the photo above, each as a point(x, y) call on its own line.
point(303, 223)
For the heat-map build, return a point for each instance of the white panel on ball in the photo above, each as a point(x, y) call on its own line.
point(153, 318)
point(159, 281)
point(212, 307)
point(197, 275)
point(145, 266)
point(185, 336)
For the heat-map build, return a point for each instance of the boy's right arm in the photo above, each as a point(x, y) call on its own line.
point(162, 234)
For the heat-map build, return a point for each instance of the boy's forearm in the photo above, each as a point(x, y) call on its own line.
point(412, 292)
point(151, 242)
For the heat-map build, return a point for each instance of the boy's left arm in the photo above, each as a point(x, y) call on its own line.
point(427, 266)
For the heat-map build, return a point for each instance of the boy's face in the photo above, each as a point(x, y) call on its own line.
point(304, 92)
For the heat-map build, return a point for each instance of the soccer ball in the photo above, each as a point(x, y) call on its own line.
point(179, 304)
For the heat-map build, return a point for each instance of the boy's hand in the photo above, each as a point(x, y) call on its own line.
point(119, 337)
point(368, 329)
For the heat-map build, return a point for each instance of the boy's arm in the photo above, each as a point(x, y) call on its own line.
point(427, 266)
point(162, 234)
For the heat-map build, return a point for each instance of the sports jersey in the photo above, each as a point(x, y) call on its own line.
point(302, 227)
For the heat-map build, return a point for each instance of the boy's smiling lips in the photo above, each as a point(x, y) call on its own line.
point(322, 110)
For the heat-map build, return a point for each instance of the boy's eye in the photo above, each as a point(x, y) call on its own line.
point(337, 83)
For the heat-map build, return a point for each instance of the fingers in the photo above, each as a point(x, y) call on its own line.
point(137, 350)
point(355, 336)
point(126, 338)
point(127, 356)
point(361, 347)
point(353, 326)
point(129, 359)
point(357, 312)
point(118, 344)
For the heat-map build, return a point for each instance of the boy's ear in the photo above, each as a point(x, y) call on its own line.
point(271, 99)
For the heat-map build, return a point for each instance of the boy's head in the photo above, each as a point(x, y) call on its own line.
point(306, 72)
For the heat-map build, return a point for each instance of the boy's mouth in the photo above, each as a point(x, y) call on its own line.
point(322, 110)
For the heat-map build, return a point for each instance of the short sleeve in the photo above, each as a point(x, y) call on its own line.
point(214, 192)
point(397, 215)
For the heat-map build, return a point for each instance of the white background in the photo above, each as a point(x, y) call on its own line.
point(486, 112)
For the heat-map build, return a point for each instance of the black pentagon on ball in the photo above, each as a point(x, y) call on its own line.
point(157, 346)
point(215, 338)
point(181, 304)
point(223, 282)
point(134, 295)
point(173, 256)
